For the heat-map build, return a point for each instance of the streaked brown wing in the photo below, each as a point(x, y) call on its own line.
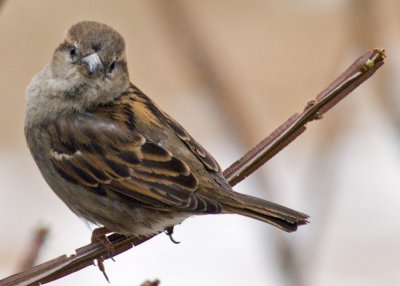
point(196, 148)
point(105, 155)
point(209, 162)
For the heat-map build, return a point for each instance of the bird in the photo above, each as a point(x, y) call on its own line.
point(113, 156)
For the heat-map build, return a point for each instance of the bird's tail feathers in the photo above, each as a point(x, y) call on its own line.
point(274, 214)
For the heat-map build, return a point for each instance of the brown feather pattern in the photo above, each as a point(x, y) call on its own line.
point(196, 148)
point(121, 163)
point(113, 156)
point(131, 160)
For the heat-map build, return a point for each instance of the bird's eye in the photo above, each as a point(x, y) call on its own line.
point(112, 66)
point(72, 51)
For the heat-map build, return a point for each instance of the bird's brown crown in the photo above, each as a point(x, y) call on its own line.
point(94, 37)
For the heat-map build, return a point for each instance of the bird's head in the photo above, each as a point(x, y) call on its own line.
point(91, 62)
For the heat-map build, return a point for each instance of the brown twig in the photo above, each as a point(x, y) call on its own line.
point(2, 2)
point(358, 72)
point(34, 248)
point(155, 282)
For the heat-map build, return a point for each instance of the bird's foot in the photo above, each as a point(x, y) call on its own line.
point(99, 235)
point(170, 231)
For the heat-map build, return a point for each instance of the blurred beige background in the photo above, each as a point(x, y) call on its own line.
point(230, 72)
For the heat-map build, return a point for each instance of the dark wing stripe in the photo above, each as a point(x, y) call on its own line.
point(152, 151)
point(75, 173)
point(115, 192)
point(117, 170)
point(93, 148)
point(178, 129)
point(132, 188)
point(174, 165)
point(158, 191)
point(65, 174)
point(129, 157)
point(180, 193)
point(81, 174)
point(64, 146)
point(189, 182)
point(175, 193)
point(97, 173)
point(196, 148)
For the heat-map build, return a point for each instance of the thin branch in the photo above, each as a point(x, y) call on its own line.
point(2, 2)
point(357, 73)
point(36, 245)
point(155, 282)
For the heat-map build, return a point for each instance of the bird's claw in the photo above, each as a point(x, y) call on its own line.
point(99, 235)
point(170, 231)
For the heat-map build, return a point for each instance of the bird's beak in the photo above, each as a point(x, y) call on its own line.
point(92, 63)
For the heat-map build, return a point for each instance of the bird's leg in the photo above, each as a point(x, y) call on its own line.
point(99, 235)
point(170, 231)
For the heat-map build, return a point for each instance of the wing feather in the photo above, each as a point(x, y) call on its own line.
point(120, 163)
point(209, 162)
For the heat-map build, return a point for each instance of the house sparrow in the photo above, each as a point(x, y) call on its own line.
point(113, 156)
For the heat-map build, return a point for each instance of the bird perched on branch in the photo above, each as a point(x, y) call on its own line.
point(113, 156)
